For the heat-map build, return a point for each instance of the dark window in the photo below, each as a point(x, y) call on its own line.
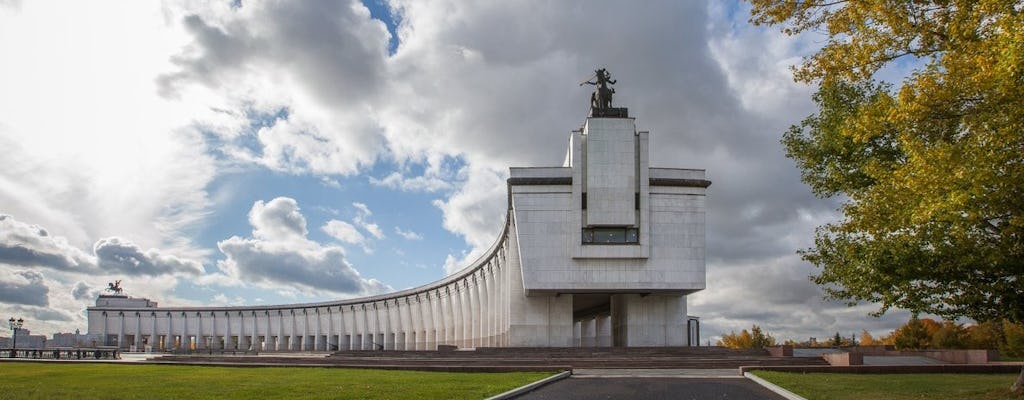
point(584, 205)
point(612, 235)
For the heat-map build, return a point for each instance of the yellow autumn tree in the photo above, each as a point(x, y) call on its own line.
point(931, 167)
point(753, 339)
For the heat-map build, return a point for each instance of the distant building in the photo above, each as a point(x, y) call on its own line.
point(26, 340)
point(76, 339)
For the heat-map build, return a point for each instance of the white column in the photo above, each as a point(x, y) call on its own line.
point(479, 311)
point(169, 337)
point(466, 297)
point(104, 341)
point(291, 334)
point(214, 343)
point(330, 329)
point(348, 321)
point(153, 339)
point(280, 331)
point(473, 321)
point(267, 344)
point(419, 321)
point(487, 304)
point(304, 332)
point(429, 323)
point(450, 317)
point(200, 335)
point(368, 332)
point(227, 331)
point(389, 341)
point(255, 342)
point(138, 332)
point(316, 339)
point(120, 331)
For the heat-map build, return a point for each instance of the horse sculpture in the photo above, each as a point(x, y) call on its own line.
point(602, 96)
point(115, 287)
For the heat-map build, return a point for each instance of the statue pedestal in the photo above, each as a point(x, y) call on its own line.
point(612, 112)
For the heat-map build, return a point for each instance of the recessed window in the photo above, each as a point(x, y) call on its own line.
point(613, 235)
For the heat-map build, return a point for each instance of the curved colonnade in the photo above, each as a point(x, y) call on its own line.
point(467, 309)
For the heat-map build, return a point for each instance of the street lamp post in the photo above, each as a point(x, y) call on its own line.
point(15, 326)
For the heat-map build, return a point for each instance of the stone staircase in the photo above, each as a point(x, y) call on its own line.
point(522, 359)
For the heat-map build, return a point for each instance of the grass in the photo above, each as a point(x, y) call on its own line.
point(895, 386)
point(126, 381)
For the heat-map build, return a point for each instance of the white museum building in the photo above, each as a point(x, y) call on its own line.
point(601, 251)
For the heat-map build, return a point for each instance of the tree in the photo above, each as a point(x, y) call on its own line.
point(985, 335)
point(912, 336)
point(949, 336)
point(837, 340)
point(753, 339)
point(930, 169)
point(867, 340)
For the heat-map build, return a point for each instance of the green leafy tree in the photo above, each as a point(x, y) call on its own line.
point(985, 335)
point(949, 336)
point(1013, 345)
point(930, 169)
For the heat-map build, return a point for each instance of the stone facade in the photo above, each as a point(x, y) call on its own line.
point(599, 252)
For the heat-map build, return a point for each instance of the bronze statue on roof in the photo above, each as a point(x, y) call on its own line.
point(601, 98)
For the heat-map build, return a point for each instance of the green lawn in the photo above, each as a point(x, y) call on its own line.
point(895, 386)
point(127, 381)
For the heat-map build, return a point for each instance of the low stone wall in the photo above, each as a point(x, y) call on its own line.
point(856, 357)
point(780, 351)
point(844, 359)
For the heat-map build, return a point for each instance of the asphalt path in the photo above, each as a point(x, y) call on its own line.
point(652, 388)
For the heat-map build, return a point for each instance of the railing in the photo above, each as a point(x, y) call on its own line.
point(62, 354)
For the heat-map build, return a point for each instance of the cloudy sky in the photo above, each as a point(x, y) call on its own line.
point(271, 152)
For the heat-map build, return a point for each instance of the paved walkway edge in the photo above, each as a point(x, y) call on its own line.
point(773, 387)
point(531, 386)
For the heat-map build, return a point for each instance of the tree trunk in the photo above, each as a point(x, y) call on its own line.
point(1018, 386)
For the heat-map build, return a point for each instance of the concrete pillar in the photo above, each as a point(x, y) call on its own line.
point(200, 332)
point(330, 331)
point(316, 339)
point(268, 344)
point(254, 343)
point(389, 333)
point(577, 333)
point(604, 330)
point(422, 316)
point(291, 332)
point(588, 332)
point(153, 344)
point(120, 331)
point(169, 343)
point(138, 332)
point(467, 311)
point(455, 308)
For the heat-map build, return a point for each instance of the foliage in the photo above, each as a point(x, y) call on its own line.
point(1013, 346)
point(949, 336)
point(754, 339)
point(893, 386)
point(867, 340)
point(126, 381)
point(912, 336)
point(931, 169)
point(985, 335)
